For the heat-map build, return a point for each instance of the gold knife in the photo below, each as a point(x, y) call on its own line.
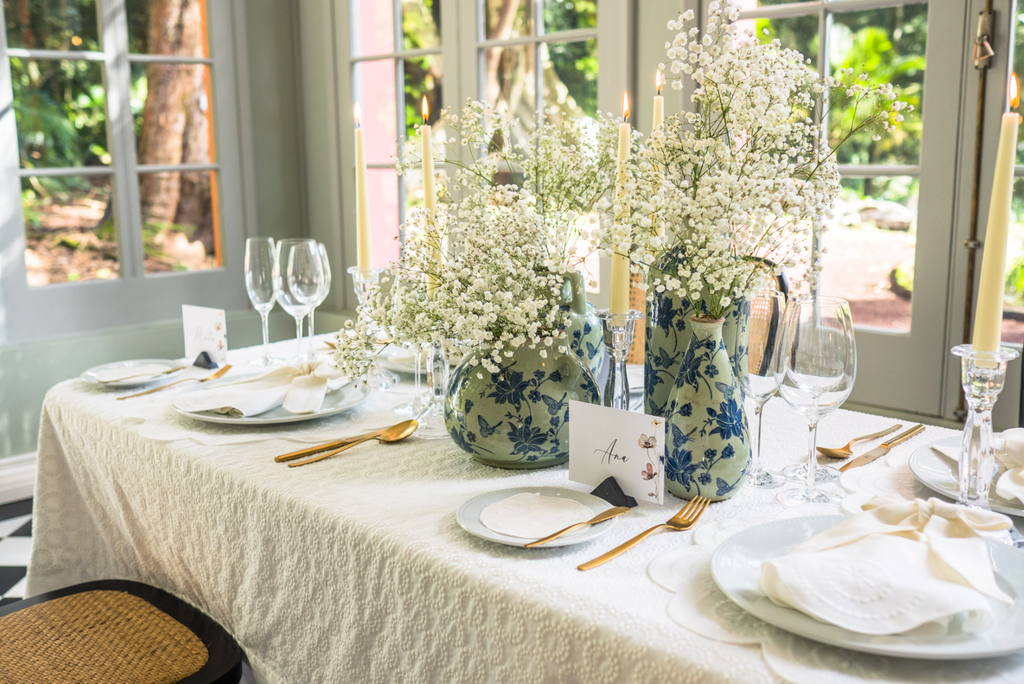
point(600, 517)
point(883, 448)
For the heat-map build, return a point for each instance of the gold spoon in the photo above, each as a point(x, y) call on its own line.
point(846, 451)
point(395, 433)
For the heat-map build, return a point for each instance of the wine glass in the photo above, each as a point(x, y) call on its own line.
point(324, 292)
point(260, 277)
point(296, 287)
point(815, 367)
point(758, 376)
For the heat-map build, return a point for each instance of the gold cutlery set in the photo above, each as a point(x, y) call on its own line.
point(876, 453)
point(387, 435)
point(219, 374)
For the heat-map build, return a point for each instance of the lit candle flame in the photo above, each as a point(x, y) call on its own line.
point(625, 106)
point(358, 114)
point(658, 80)
point(1014, 91)
point(425, 108)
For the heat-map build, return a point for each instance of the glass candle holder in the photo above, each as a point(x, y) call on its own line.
point(982, 376)
point(363, 281)
point(431, 419)
point(618, 336)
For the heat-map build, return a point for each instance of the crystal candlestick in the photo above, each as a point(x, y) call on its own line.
point(618, 337)
point(431, 419)
point(363, 282)
point(982, 375)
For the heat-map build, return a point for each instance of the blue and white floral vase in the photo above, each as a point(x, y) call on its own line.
point(707, 438)
point(586, 338)
point(519, 416)
point(667, 333)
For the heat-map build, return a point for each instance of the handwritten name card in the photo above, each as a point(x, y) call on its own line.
point(628, 446)
point(205, 331)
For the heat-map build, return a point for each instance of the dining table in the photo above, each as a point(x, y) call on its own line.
point(355, 569)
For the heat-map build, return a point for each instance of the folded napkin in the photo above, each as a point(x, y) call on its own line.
point(298, 389)
point(896, 567)
point(139, 373)
point(1009, 450)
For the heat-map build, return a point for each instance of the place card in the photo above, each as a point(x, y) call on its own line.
point(630, 447)
point(205, 331)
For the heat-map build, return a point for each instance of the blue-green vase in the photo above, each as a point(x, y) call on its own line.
point(586, 338)
point(518, 417)
point(707, 439)
point(667, 334)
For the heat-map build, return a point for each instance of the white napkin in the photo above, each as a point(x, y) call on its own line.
point(141, 372)
point(1009, 451)
point(299, 389)
point(532, 516)
point(896, 567)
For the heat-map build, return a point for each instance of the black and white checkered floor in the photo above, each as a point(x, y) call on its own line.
point(15, 544)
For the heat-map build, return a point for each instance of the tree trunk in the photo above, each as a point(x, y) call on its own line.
point(195, 202)
point(174, 28)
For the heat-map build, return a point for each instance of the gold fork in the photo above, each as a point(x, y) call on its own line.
point(216, 375)
point(847, 451)
point(140, 375)
point(683, 520)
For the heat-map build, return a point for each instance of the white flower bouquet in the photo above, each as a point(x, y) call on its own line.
point(506, 231)
point(748, 175)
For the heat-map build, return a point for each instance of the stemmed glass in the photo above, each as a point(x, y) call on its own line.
point(299, 280)
point(322, 297)
point(815, 367)
point(260, 277)
point(758, 378)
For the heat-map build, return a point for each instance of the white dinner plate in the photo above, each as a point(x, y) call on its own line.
point(468, 516)
point(342, 399)
point(89, 376)
point(736, 567)
point(940, 474)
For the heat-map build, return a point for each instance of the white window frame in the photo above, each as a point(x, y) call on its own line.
point(462, 44)
point(134, 297)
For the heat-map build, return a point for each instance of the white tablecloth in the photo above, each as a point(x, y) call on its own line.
point(354, 569)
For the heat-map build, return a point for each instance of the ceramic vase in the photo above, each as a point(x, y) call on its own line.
point(519, 416)
point(667, 334)
point(586, 339)
point(707, 439)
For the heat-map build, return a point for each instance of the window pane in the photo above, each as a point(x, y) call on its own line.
point(421, 23)
point(566, 15)
point(1013, 303)
point(796, 33)
point(167, 27)
point(52, 24)
point(173, 116)
point(869, 250)
point(508, 19)
point(382, 187)
point(570, 78)
point(510, 85)
point(69, 229)
point(888, 44)
point(60, 110)
point(180, 224)
point(375, 93)
point(373, 27)
point(423, 77)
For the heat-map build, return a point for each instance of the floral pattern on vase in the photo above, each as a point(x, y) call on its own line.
point(586, 338)
point(708, 442)
point(667, 332)
point(519, 416)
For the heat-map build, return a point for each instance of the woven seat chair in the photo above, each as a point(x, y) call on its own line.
point(113, 632)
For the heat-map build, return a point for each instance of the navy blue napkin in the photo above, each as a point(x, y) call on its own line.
point(204, 361)
point(610, 491)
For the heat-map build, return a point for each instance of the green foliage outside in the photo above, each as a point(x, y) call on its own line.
point(575, 64)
